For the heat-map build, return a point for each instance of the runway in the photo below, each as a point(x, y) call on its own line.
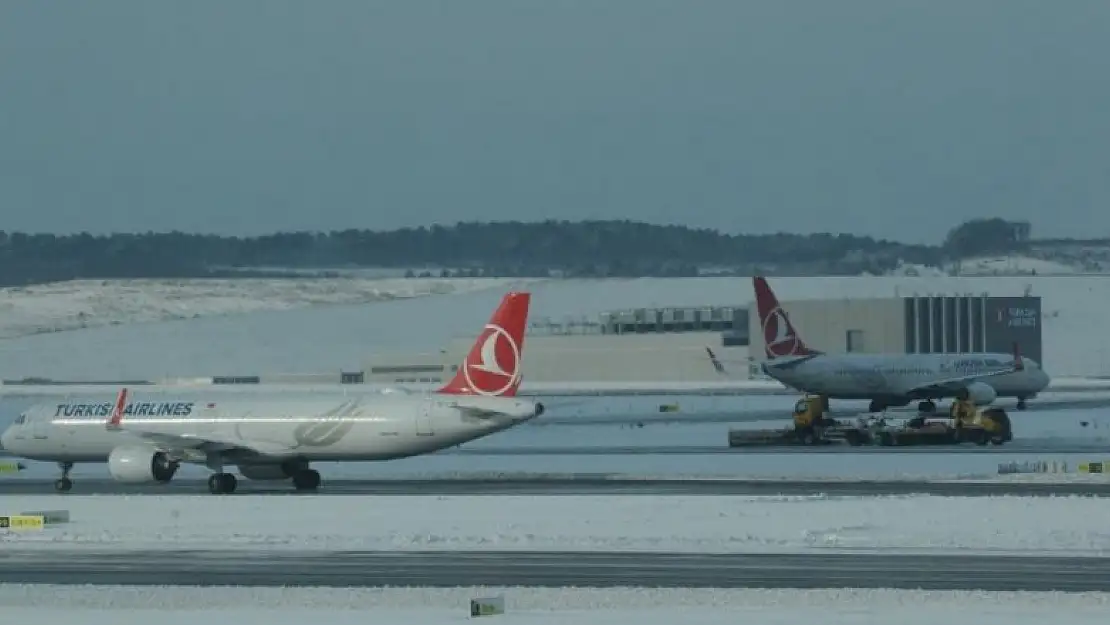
point(580, 485)
point(556, 569)
point(1024, 446)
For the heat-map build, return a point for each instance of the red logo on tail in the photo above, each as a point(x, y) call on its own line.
point(498, 369)
point(493, 365)
point(779, 336)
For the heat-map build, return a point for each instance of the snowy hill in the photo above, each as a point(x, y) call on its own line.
point(79, 304)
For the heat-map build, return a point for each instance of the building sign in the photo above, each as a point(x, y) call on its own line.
point(1018, 317)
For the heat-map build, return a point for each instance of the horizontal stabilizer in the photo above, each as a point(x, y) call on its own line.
point(493, 407)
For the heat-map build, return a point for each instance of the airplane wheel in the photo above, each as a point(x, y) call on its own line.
point(222, 484)
point(63, 485)
point(306, 480)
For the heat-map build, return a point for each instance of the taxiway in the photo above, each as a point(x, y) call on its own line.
point(557, 569)
point(584, 485)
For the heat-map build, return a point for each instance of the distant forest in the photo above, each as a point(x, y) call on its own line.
point(578, 249)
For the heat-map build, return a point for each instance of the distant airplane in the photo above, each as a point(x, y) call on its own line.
point(275, 437)
point(887, 379)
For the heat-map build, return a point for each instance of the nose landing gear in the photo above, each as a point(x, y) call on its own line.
point(64, 484)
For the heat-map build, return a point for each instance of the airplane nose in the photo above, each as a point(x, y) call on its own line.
point(5, 439)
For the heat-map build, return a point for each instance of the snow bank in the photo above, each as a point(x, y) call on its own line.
point(617, 606)
point(79, 304)
point(920, 524)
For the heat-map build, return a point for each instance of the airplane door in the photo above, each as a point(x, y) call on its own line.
point(40, 426)
point(424, 421)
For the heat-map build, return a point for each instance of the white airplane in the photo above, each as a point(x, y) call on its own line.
point(887, 379)
point(276, 437)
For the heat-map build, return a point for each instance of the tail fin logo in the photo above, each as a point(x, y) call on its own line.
point(779, 338)
point(499, 367)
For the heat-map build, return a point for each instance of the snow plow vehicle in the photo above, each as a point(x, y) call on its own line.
point(966, 424)
point(811, 427)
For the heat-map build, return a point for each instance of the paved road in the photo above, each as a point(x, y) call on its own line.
point(589, 569)
point(580, 485)
point(1023, 446)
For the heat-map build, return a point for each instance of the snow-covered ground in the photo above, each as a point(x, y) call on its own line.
point(1011, 265)
point(921, 524)
point(122, 605)
point(96, 605)
point(80, 304)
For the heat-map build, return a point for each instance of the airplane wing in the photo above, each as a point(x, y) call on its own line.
point(188, 446)
point(954, 383)
point(192, 447)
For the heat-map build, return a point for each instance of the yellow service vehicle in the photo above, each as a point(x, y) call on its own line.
point(967, 424)
point(811, 427)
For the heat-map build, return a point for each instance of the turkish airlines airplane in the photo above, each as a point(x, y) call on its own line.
point(887, 379)
point(275, 438)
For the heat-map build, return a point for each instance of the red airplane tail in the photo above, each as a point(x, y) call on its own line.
point(780, 339)
point(493, 366)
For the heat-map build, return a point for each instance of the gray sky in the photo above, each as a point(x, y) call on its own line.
point(883, 117)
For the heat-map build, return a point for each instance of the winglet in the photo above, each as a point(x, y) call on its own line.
point(1019, 364)
point(716, 362)
point(493, 366)
point(117, 412)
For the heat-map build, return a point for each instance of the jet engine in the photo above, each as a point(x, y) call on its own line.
point(981, 393)
point(140, 465)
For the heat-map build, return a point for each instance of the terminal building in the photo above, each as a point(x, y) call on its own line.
point(919, 324)
point(669, 344)
point(639, 345)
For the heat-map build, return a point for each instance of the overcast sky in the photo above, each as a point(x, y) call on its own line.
point(883, 117)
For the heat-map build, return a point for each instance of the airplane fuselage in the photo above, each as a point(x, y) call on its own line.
point(308, 429)
point(886, 376)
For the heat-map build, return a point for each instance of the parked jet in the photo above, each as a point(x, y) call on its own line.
point(887, 379)
point(276, 437)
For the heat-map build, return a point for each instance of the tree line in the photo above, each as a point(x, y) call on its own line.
point(578, 249)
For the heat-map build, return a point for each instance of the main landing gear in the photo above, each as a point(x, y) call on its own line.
point(1021, 403)
point(221, 483)
point(306, 479)
point(64, 484)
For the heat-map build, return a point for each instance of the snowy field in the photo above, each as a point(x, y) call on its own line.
point(313, 340)
point(920, 524)
point(97, 605)
point(81, 304)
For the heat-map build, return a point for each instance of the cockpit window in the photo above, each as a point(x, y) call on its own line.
point(20, 419)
